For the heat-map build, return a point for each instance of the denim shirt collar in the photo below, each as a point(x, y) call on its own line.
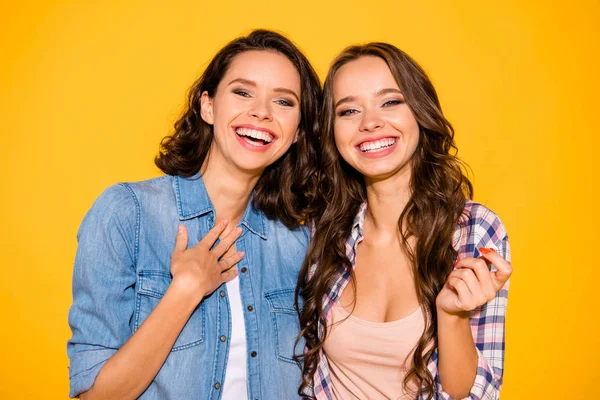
point(193, 201)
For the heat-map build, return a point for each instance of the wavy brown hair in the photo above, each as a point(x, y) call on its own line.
point(439, 190)
point(287, 188)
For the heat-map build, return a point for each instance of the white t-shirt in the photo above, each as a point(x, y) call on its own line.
point(235, 386)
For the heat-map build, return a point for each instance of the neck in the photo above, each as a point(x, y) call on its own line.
point(386, 199)
point(229, 189)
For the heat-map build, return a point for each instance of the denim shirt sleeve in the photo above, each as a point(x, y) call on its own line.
point(103, 285)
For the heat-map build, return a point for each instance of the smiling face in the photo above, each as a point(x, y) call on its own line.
point(375, 130)
point(255, 112)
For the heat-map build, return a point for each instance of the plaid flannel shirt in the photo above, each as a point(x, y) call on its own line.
point(478, 227)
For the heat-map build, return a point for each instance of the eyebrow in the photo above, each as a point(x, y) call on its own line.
point(349, 99)
point(253, 84)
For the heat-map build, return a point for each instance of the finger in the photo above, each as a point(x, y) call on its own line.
point(229, 274)
point(474, 286)
point(464, 295)
point(181, 240)
point(480, 268)
point(471, 263)
point(503, 268)
point(211, 237)
point(230, 261)
point(468, 277)
point(226, 242)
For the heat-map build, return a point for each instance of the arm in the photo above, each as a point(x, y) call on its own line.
point(471, 312)
point(106, 360)
point(133, 367)
point(457, 354)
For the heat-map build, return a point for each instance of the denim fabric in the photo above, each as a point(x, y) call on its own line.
point(122, 271)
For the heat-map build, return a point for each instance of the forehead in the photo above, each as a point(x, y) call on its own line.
point(265, 68)
point(364, 76)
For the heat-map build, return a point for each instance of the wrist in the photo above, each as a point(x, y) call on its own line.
point(187, 289)
point(455, 317)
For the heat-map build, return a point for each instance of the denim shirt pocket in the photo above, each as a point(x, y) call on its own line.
point(152, 285)
point(285, 323)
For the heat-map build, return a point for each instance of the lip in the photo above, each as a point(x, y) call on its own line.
point(377, 154)
point(248, 146)
point(256, 128)
point(376, 138)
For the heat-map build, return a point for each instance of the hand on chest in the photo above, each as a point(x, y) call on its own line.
point(227, 231)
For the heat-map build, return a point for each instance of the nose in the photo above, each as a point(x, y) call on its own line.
point(371, 122)
point(261, 110)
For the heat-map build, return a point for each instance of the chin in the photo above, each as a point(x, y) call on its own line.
point(251, 166)
point(380, 173)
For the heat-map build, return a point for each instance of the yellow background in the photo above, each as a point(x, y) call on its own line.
point(88, 89)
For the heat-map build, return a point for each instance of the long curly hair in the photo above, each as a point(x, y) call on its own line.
point(287, 188)
point(439, 190)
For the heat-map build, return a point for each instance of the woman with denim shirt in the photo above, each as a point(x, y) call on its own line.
point(399, 298)
point(211, 314)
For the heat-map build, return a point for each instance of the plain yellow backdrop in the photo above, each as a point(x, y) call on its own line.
point(88, 89)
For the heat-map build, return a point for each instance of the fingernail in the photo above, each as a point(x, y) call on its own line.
point(238, 229)
point(180, 228)
point(458, 259)
point(225, 222)
point(484, 250)
point(241, 253)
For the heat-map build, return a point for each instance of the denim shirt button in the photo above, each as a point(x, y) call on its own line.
point(244, 269)
point(223, 338)
point(217, 386)
point(253, 354)
point(250, 308)
point(222, 293)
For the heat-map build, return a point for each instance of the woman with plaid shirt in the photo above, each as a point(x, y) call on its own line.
point(423, 316)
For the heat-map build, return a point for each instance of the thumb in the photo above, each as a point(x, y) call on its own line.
point(503, 268)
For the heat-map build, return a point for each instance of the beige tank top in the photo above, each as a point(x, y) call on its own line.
point(368, 360)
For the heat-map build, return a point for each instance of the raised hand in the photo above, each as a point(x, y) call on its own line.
point(472, 284)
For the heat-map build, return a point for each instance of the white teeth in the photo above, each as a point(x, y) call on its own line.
point(377, 145)
point(261, 135)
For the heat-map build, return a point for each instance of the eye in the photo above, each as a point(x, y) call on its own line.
point(391, 103)
point(284, 102)
point(349, 111)
point(241, 93)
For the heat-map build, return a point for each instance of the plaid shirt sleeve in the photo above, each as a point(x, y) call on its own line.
point(480, 227)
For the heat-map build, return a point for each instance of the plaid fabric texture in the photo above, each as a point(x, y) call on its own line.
point(478, 227)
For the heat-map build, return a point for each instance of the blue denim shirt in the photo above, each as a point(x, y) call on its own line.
point(122, 271)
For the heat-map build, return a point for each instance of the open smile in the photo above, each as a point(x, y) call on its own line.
point(378, 147)
point(254, 138)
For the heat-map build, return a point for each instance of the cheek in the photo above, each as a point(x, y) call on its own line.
point(343, 134)
point(290, 123)
point(414, 128)
point(411, 123)
point(407, 124)
point(338, 139)
point(411, 136)
point(342, 141)
point(222, 110)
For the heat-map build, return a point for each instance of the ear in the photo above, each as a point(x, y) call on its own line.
point(206, 108)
